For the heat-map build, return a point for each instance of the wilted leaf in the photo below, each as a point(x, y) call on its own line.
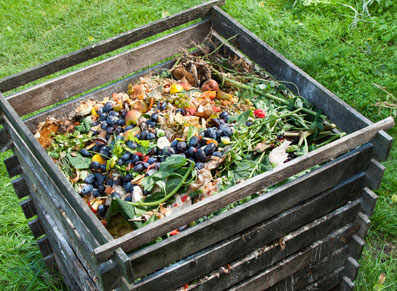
point(279, 154)
point(394, 198)
point(165, 14)
point(382, 278)
point(79, 162)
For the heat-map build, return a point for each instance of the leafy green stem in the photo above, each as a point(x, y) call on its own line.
point(172, 193)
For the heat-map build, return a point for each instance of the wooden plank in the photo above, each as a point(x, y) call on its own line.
point(36, 228)
point(28, 208)
point(285, 268)
point(363, 222)
point(368, 201)
point(62, 111)
point(12, 165)
point(327, 282)
point(375, 174)
point(347, 284)
point(351, 268)
point(20, 187)
point(311, 273)
point(51, 264)
point(282, 69)
point(68, 85)
point(66, 258)
point(230, 249)
point(106, 46)
point(356, 247)
point(27, 140)
point(207, 206)
point(44, 246)
point(64, 216)
point(263, 257)
point(244, 216)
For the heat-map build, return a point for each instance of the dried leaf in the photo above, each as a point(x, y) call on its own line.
point(261, 147)
point(382, 278)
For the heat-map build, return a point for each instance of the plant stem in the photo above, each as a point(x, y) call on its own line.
point(256, 165)
point(268, 95)
point(172, 193)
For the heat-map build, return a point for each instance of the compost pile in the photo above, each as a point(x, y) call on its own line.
point(175, 138)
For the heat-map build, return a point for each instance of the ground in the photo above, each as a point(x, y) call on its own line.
point(348, 46)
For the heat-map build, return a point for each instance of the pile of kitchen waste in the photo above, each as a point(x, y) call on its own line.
point(177, 137)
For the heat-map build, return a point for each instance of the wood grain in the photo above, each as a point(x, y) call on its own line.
point(36, 228)
point(79, 81)
point(20, 187)
point(44, 246)
point(12, 165)
point(28, 208)
point(282, 69)
point(256, 237)
point(108, 45)
point(244, 216)
point(368, 201)
point(207, 206)
point(327, 282)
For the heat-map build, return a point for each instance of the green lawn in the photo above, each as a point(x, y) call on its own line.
point(348, 49)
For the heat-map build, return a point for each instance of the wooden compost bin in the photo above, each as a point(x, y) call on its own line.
point(307, 233)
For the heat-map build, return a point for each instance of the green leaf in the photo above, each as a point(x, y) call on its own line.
point(173, 162)
point(172, 183)
point(125, 209)
point(191, 132)
point(242, 118)
point(154, 197)
point(79, 162)
point(291, 105)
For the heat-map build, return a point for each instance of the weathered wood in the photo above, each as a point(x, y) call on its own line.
point(375, 174)
point(207, 206)
point(124, 264)
point(282, 69)
point(27, 140)
point(64, 216)
point(51, 264)
point(66, 259)
point(368, 201)
point(285, 268)
point(28, 208)
point(356, 246)
point(68, 85)
point(12, 165)
point(44, 246)
point(265, 256)
point(106, 46)
point(346, 284)
point(36, 228)
point(244, 216)
point(311, 273)
point(327, 282)
point(62, 111)
point(230, 249)
point(20, 187)
point(351, 268)
point(363, 222)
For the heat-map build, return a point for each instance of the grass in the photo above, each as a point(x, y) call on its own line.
point(346, 48)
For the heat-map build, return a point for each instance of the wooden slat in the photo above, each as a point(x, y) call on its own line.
point(282, 69)
point(230, 249)
point(50, 264)
point(64, 216)
point(356, 246)
point(346, 284)
point(106, 46)
point(68, 85)
point(65, 257)
point(244, 216)
point(265, 256)
point(351, 268)
point(375, 174)
point(20, 187)
point(363, 222)
point(12, 165)
point(27, 141)
point(207, 206)
point(62, 111)
point(327, 282)
point(368, 201)
point(311, 273)
point(44, 246)
point(285, 268)
point(36, 228)
point(28, 208)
